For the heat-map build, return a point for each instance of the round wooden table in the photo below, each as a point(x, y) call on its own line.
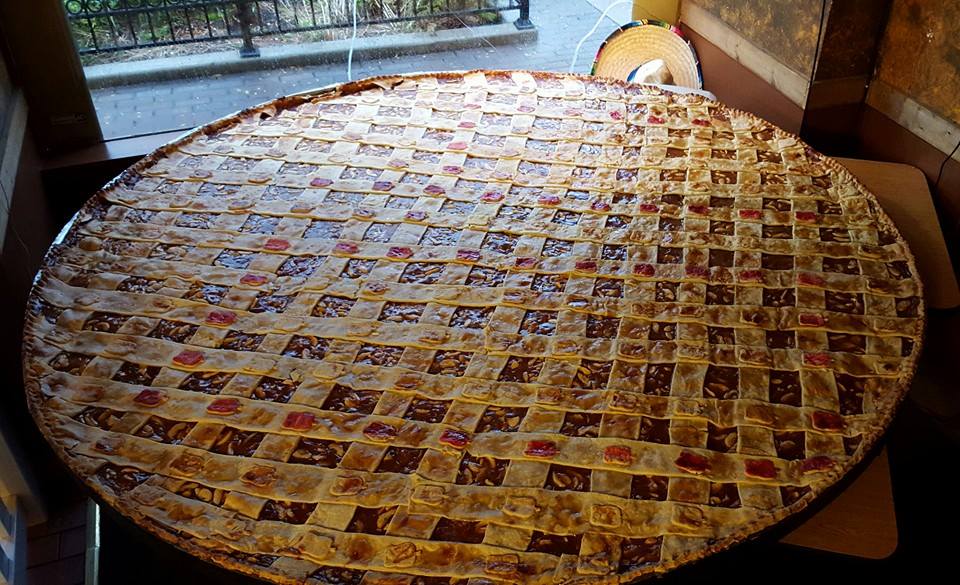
point(502, 326)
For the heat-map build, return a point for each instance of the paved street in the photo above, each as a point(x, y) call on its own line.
point(181, 104)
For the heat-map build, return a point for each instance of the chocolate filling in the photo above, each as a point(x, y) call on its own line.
point(608, 287)
point(346, 399)
point(400, 460)
point(784, 387)
point(482, 276)
point(422, 273)
point(658, 379)
point(275, 389)
point(789, 444)
point(206, 382)
point(521, 369)
point(499, 242)
point(240, 341)
point(289, 512)
point(722, 439)
point(318, 452)
point(501, 418)
point(554, 248)
point(402, 312)
point(237, 442)
point(306, 347)
point(131, 373)
point(426, 410)
point(485, 471)
point(440, 236)
point(357, 268)
point(566, 478)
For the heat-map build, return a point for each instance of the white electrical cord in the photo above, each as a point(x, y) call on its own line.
point(353, 40)
point(576, 52)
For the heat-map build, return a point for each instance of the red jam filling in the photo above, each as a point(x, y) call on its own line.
point(816, 464)
point(618, 455)
point(276, 244)
point(224, 406)
point(760, 468)
point(817, 359)
point(827, 421)
point(692, 462)
point(586, 265)
point(809, 279)
point(188, 357)
point(468, 255)
point(299, 421)
point(454, 438)
point(812, 320)
point(260, 476)
point(541, 449)
point(526, 263)
point(644, 270)
point(397, 252)
point(253, 279)
point(150, 397)
point(378, 431)
point(221, 317)
point(346, 248)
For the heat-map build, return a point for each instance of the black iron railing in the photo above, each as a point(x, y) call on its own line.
point(102, 26)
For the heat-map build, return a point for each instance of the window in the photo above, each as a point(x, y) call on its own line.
point(155, 67)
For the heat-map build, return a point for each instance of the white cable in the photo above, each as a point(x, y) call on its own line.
point(576, 52)
point(353, 40)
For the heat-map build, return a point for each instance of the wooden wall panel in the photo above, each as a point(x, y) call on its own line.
point(786, 29)
point(920, 56)
point(737, 86)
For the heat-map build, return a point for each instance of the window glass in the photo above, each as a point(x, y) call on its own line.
point(161, 65)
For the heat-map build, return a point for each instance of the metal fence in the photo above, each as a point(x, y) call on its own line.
point(102, 26)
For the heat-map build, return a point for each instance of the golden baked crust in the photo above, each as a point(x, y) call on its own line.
point(500, 326)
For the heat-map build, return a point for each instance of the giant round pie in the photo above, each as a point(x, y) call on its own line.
point(489, 326)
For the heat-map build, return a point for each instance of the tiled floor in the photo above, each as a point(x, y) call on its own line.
point(55, 549)
point(181, 104)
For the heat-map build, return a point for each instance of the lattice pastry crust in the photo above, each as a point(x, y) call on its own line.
point(494, 326)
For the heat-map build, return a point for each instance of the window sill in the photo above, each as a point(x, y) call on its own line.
point(115, 150)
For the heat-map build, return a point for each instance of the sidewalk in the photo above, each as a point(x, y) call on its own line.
point(181, 104)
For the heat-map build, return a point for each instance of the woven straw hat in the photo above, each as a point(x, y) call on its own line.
point(636, 43)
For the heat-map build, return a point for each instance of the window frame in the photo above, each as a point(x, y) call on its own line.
point(44, 61)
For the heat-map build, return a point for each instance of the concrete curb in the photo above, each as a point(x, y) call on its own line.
point(204, 65)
